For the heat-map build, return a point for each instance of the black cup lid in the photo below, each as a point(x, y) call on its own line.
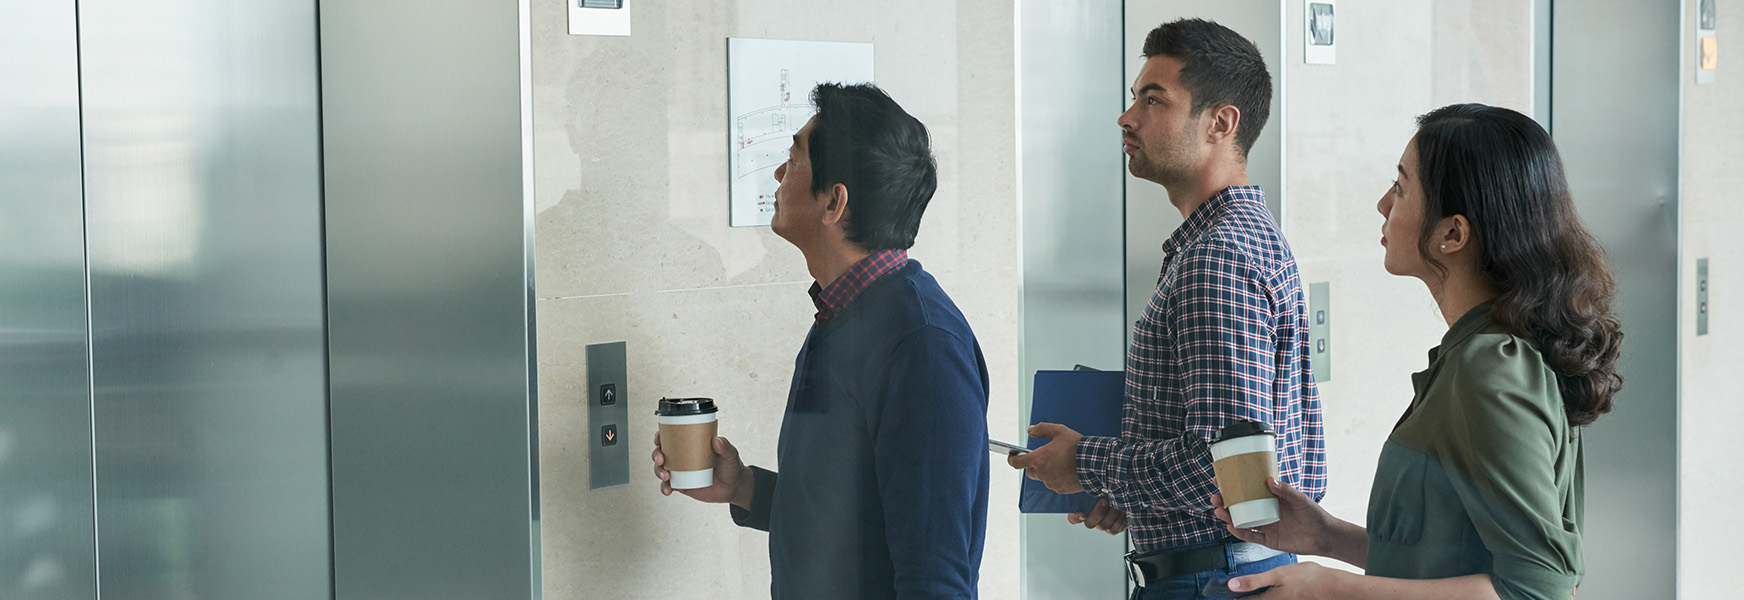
point(1240, 429)
point(678, 407)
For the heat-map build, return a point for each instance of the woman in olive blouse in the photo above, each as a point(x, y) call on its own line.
point(1479, 490)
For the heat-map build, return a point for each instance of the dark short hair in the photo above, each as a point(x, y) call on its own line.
point(1501, 170)
point(1219, 68)
point(866, 142)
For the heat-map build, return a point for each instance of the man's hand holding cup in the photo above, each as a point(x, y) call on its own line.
point(690, 458)
point(732, 479)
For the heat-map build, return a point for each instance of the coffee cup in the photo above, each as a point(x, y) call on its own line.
point(1243, 455)
point(687, 438)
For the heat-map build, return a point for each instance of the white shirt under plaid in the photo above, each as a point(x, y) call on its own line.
point(1224, 339)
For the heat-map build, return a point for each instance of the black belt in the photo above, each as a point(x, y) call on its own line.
point(1174, 563)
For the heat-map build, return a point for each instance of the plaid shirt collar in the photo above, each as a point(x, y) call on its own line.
point(832, 300)
point(1200, 221)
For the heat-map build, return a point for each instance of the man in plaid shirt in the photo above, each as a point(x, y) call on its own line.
point(1224, 338)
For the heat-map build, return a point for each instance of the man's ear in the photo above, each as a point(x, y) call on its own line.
point(836, 208)
point(1225, 121)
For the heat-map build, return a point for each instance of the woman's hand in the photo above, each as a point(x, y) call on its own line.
point(1302, 528)
point(1300, 581)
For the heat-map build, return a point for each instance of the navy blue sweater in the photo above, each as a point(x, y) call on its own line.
point(882, 491)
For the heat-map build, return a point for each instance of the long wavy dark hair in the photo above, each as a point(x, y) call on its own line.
point(1501, 170)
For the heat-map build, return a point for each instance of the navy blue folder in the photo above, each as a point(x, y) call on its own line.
point(1089, 402)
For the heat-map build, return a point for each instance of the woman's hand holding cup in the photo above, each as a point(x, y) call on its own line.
point(1302, 524)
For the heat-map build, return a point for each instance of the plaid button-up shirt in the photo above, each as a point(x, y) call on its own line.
point(842, 292)
point(1224, 339)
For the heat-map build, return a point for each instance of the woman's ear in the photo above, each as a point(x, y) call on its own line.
point(1454, 234)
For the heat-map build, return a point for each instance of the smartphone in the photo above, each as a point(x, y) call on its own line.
point(998, 447)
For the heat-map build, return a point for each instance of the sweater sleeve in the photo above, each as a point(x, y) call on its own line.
point(1505, 440)
point(932, 468)
point(762, 492)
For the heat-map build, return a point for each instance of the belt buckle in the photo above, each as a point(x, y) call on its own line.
point(1134, 571)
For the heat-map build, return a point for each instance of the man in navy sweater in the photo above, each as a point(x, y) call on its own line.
point(882, 485)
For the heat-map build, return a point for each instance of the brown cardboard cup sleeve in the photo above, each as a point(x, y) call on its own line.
point(1242, 477)
point(688, 447)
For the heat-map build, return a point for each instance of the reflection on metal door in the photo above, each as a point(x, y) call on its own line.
point(203, 221)
point(1071, 244)
point(163, 417)
point(46, 536)
point(164, 328)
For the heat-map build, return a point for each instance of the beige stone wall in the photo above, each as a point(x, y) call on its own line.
point(1712, 403)
point(633, 244)
point(1346, 125)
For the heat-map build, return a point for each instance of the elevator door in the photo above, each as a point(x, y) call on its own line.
point(1070, 65)
point(46, 535)
point(203, 236)
point(1614, 114)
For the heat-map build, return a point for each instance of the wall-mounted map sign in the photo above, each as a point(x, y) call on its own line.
point(769, 86)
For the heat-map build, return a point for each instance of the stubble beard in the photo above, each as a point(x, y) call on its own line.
point(1166, 170)
point(1172, 163)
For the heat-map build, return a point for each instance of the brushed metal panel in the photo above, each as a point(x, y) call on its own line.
point(1541, 65)
point(1070, 92)
point(47, 540)
point(1614, 100)
point(1702, 296)
point(429, 291)
point(204, 241)
point(1320, 329)
point(608, 394)
point(1150, 219)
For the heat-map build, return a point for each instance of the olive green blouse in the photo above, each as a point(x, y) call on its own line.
point(1483, 473)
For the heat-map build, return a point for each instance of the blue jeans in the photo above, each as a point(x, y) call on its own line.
point(1187, 587)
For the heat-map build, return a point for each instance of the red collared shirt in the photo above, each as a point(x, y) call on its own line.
point(831, 300)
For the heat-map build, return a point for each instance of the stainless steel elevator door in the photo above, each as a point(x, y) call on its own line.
point(428, 226)
point(1615, 119)
point(201, 140)
point(46, 537)
point(1072, 277)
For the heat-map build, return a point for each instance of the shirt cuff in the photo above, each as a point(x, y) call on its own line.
point(762, 497)
point(1093, 454)
point(1514, 580)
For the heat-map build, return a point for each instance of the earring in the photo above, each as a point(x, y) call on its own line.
point(1444, 246)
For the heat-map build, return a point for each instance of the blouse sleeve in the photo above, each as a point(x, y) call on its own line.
point(1508, 435)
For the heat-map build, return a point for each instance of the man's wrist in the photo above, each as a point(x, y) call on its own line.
point(744, 489)
point(1088, 461)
